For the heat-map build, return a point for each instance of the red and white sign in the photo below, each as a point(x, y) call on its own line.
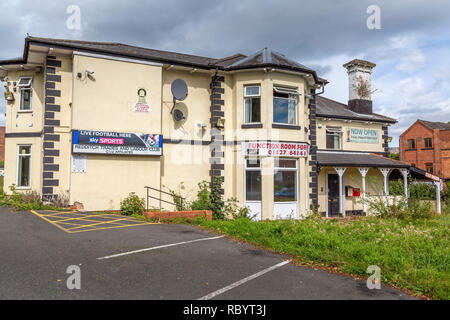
point(141, 107)
point(429, 175)
point(275, 149)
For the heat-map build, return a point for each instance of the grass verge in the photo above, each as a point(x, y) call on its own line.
point(412, 254)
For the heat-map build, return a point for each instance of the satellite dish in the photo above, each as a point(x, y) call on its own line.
point(179, 89)
point(178, 115)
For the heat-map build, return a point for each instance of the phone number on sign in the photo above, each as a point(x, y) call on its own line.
point(286, 153)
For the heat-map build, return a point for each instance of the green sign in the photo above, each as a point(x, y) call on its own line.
point(361, 135)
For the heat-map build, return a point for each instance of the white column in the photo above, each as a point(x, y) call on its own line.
point(340, 171)
point(405, 173)
point(363, 172)
point(385, 172)
point(438, 196)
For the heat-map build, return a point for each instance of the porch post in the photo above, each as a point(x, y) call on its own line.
point(363, 172)
point(438, 196)
point(385, 172)
point(340, 171)
point(405, 173)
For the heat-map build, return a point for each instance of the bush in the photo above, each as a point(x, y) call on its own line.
point(132, 205)
point(396, 187)
point(26, 201)
point(401, 208)
point(211, 198)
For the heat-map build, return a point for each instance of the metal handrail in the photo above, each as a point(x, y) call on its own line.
point(161, 200)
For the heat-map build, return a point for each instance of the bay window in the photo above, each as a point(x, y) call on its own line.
point(253, 179)
point(285, 180)
point(285, 101)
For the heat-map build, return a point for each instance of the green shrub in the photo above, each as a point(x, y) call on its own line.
point(422, 191)
point(28, 201)
point(132, 205)
point(401, 208)
point(211, 198)
point(396, 187)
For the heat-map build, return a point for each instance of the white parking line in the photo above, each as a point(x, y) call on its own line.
point(158, 247)
point(238, 283)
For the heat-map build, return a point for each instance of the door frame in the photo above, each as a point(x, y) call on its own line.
point(245, 185)
point(326, 188)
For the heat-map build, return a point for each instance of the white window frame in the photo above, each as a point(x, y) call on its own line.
point(246, 168)
point(252, 96)
point(19, 155)
point(289, 91)
point(276, 169)
point(25, 86)
point(335, 132)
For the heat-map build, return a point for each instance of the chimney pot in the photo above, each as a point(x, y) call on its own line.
point(360, 89)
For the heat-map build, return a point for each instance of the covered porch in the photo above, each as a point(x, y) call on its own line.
point(348, 179)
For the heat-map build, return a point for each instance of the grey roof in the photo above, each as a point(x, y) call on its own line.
point(334, 109)
point(355, 159)
point(263, 58)
point(129, 51)
point(267, 57)
point(436, 125)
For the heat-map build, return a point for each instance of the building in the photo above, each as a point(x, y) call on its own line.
point(2, 145)
point(426, 145)
point(95, 121)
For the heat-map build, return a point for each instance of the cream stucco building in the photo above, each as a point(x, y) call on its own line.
point(94, 121)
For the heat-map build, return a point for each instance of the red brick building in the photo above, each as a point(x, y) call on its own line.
point(426, 145)
point(2, 144)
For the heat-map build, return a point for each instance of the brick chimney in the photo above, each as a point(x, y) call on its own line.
point(359, 83)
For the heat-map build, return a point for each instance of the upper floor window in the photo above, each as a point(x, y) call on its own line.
point(285, 105)
point(334, 138)
point(429, 167)
point(252, 101)
point(25, 86)
point(411, 144)
point(428, 143)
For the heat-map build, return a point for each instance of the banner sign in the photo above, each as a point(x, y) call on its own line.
point(360, 135)
point(433, 177)
point(275, 149)
point(101, 142)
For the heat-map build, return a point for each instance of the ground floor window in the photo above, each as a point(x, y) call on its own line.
point(285, 180)
point(429, 167)
point(24, 166)
point(253, 179)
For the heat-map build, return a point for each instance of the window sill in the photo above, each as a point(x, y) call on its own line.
point(285, 126)
point(251, 125)
point(24, 111)
point(427, 148)
point(410, 149)
point(23, 188)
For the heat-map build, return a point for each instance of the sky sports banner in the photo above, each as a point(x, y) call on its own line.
point(275, 149)
point(102, 142)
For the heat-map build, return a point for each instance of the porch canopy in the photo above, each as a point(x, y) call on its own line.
point(341, 160)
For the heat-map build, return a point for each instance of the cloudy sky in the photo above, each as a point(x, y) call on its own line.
point(411, 49)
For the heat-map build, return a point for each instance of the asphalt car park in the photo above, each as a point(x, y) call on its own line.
point(138, 260)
